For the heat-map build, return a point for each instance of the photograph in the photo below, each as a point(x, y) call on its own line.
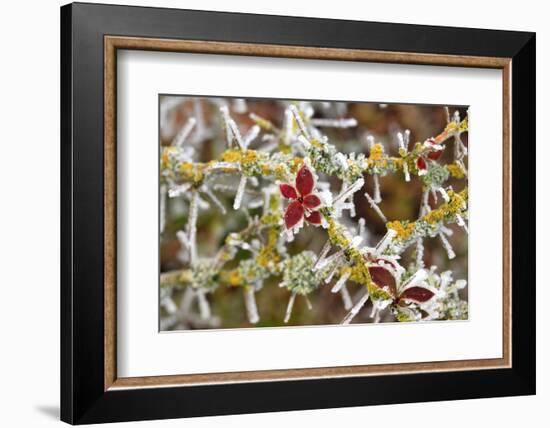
point(281, 212)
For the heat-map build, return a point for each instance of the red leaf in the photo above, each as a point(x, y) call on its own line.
point(314, 218)
point(288, 191)
point(435, 155)
point(421, 163)
point(417, 294)
point(304, 181)
point(311, 201)
point(293, 214)
point(382, 278)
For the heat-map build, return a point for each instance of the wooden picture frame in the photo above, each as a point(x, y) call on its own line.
point(91, 390)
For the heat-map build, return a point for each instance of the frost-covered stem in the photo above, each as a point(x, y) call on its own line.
point(162, 208)
point(192, 227)
point(204, 306)
point(250, 303)
point(299, 121)
point(333, 272)
point(352, 212)
point(460, 221)
point(356, 308)
point(341, 282)
point(327, 260)
point(434, 194)
point(376, 208)
point(187, 300)
point(322, 254)
point(240, 193)
point(419, 276)
point(237, 134)
point(406, 172)
point(361, 231)
point(419, 253)
point(206, 190)
point(334, 123)
point(401, 141)
point(346, 298)
point(240, 106)
point(200, 128)
point(457, 148)
point(375, 313)
point(349, 190)
point(287, 126)
point(376, 195)
point(182, 135)
point(251, 135)
point(289, 307)
point(443, 194)
point(178, 190)
point(226, 119)
point(447, 245)
point(169, 305)
point(385, 241)
point(424, 205)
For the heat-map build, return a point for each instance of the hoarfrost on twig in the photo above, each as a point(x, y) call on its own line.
point(385, 241)
point(192, 227)
point(419, 253)
point(356, 308)
point(376, 195)
point(346, 298)
point(182, 135)
point(240, 193)
point(162, 208)
point(349, 190)
point(376, 208)
point(341, 282)
point(447, 245)
point(299, 121)
point(206, 190)
point(250, 303)
point(334, 123)
point(251, 135)
point(204, 306)
point(289, 307)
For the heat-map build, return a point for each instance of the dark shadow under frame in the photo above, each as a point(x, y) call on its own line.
point(90, 390)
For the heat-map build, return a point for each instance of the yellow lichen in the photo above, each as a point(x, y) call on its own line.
point(451, 127)
point(231, 277)
point(335, 234)
point(457, 204)
point(268, 255)
point(165, 156)
point(376, 152)
point(316, 143)
point(231, 155)
point(404, 229)
point(455, 170)
point(296, 164)
point(249, 156)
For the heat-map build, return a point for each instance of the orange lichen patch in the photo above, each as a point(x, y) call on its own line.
point(376, 152)
point(231, 277)
point(455, 170)
point(404, 229)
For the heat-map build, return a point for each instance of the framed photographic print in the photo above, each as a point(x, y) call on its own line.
point(264, 213)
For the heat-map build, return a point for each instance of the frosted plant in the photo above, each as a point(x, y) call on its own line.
point(289, 177)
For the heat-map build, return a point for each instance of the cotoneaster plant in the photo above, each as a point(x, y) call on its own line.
point(290, 171)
